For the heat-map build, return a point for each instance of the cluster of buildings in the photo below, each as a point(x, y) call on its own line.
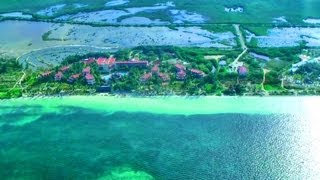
point(181, 72)
point(105, 65)
point(155, 71)
point(108, 64)
point(111, 68)
point(86, 73)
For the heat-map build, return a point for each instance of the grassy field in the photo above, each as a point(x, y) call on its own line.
point(255, 11)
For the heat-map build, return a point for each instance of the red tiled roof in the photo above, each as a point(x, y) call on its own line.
point(132, 62)
point(111, 60)
point(155, 68)
point(196, 71)
point(64, 68)
point(75, 76)
point(180, 66)
point(181, 74)
point(101, 61)
point(59, 75)
point(164, 77)
point(89, 77)
point(86, 70)
point(146, 76)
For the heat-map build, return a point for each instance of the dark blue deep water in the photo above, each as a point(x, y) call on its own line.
point(83, 144)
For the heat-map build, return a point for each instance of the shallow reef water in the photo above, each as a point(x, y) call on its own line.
point(72, 142)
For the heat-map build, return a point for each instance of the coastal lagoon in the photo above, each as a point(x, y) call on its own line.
point(38, 41)
point(102, 137)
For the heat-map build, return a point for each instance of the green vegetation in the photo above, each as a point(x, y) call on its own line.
point(10, 72)
point(309, 72)
point(257, 11)
point(258, 30)
point(218, 79)
point(286, 54)
point(45, 37)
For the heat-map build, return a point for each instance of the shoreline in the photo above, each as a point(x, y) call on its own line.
point(156, 96)
point(175, 105)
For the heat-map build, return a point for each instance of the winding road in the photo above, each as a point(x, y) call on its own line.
point(242, 43)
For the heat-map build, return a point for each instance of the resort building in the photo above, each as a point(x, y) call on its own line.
point(146, 77)
point(181, 75)
point(180, 67)
point(73, 78)
point(197, 73)
point(64, 68)
point(106, 65)
point(86, 71)
point(58, 76)
point(164, 77)
point(155, 69)
point(131, 64)
point(90, 79)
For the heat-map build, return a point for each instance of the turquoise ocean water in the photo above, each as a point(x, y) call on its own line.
point(56, 139)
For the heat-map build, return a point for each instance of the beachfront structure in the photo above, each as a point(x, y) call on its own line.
point(181, 75)
point(104, 89)
point(105, 65)
point(146, 77)
point(90, 79)
point(73, 78)
point(131, 64)
point(197, 73)
point(86, 71)
point(58, 76)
